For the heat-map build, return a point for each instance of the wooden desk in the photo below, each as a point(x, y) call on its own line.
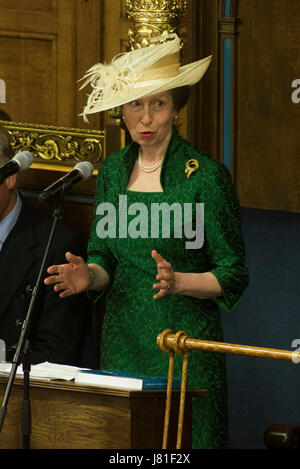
point(71, 416)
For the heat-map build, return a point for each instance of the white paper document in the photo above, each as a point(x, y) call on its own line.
point(46, 370)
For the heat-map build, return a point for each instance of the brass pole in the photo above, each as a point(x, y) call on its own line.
point(183, 343)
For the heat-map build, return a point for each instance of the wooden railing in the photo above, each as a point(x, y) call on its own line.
point(181, 343)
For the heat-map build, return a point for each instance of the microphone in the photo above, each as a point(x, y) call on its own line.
point(19, 162)
point(81, 171)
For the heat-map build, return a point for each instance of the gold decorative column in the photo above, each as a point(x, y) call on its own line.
point(148, 18)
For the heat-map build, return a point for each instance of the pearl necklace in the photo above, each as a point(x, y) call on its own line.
point(148, 169)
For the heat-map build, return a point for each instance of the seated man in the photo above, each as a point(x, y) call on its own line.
point(59, 326)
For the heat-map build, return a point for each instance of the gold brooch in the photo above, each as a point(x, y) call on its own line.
point(191, 167)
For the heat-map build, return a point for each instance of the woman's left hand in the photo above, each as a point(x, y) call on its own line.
point(167, 280)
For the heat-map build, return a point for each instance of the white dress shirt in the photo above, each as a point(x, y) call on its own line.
point(7, 224)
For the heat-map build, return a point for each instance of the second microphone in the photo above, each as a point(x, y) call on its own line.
point(81, 172)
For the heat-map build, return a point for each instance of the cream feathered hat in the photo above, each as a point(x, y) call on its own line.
point(139, 73)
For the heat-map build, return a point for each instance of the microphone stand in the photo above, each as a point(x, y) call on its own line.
point(21, 354)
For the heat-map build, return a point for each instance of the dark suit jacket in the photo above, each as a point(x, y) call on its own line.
point(59, 326)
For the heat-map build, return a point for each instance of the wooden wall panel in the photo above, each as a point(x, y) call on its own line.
point(29, 75)
point(261, 125)
point(202, 125)
point(268, 137)
point(45, 48)
point(87, 50)
point(31, 58)
point(115, 37)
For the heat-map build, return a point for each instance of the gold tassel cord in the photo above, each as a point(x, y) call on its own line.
point(162, 344)
point(182, 399)
point(168, 400)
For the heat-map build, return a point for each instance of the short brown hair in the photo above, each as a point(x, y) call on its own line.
point(180, 97)
point(6, 150)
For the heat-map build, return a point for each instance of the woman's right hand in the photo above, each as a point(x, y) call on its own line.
point(71, 278)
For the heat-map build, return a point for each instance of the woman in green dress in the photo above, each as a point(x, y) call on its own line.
point(166, 243)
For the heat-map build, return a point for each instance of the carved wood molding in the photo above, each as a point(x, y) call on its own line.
point(228, 26)
point(59, 146)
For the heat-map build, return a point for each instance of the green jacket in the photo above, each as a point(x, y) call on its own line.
point(223, 250)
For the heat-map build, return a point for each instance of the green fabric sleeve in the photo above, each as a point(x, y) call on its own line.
point(223, 236)
point(98, 251)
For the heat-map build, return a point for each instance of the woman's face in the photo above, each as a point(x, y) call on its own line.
point(149, 120)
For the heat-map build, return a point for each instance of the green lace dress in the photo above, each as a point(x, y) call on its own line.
point(133, 319)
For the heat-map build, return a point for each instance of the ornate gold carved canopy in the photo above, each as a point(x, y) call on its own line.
point(149, 18)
